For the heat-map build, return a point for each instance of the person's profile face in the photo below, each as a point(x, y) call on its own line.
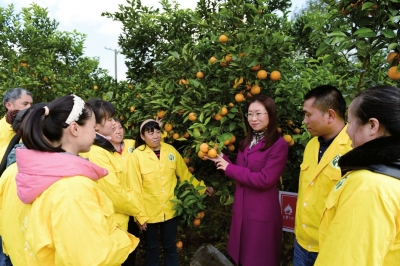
point(314, 119)
point(22, 103)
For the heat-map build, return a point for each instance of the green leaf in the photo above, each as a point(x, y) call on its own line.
point(392, 46)
point(184, 193)
point(388, 33)
point(365, 32)
point(322, 48)
point(337, 33)
point(367, 5)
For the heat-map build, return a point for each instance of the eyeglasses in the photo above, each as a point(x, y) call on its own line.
point(258, 115)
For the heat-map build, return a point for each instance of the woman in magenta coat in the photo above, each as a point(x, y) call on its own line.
point(255, 237)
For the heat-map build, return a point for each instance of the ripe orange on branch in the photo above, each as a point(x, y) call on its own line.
point(212, 153)
point(204, 147)
point(213, 60)
point(199, 75)
point(223, 38)
point(393, 73)
point(223, 111)
point(287, 138)
point(391, 56)
point(179, 244)
point(196, 222)
point(256, 67)
point(255, 89)
point(161, 114)
point(275, 75)
point(168, 127)
point(262, 74)
point(239, 97)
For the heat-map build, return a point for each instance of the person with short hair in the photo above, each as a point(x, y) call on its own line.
point(157, 167)
point(324, 116)
point(104, 154)
point(361, 221)
point(63, 215)
point(14, 99)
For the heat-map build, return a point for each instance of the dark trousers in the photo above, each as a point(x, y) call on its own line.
point(168, 231)
point(302, 257)
point(134, 230)
point(4, 259)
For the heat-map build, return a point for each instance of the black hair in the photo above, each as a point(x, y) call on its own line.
point(271, 134)
point(382, 103)
point(148, 127)
point(116, 119)
point(103, 110)
point(16, 125)
point(39, 131)
point(328, 97)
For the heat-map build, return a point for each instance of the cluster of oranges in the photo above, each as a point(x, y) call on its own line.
point(206, 151)
point(393, 59)
point(196, 222)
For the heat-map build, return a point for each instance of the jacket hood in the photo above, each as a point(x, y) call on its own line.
point(381, 155)
point(37, 171)
point(104, 143)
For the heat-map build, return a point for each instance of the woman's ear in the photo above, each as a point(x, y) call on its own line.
point(73, 128)
point(374, 126)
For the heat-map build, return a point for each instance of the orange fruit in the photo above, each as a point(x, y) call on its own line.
point(223, 111)
point(168, 127)
point(391, 56)
point(279, 130)
point(186, 160)
point(183, 81)
point(179, 244)
point(256, 67)
point(291, 143)
point(231, 105)
point(186, 135)
point(200, 215)
point(199, 75)
point(213, 59)
point(223, 63)
point(223, 38)
point(289, 122)
point(130, 86)
point(191, 169)
point(217, 117)
point(228, 58)
point(138, 96)
point(204, 147)
point(297, 130)
point(212, 153)
point(94, 87)
point(233, 139)
point(227, 142)
point(239, 97)
point(175, 136)
point(242, 54)
point(249, 95)
point(275, 75)
point(132, 108)
point(196, 222)
point(287, 138)
point(393, 74)
point(192, 116)
point(161, 114)
point(201, 154)
point(255, 89)
point(262, 74)
point(231, 147)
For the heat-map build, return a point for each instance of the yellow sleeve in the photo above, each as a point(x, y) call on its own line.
point(122, 198)
point(360, 233)
point(103, 244)
point(137, 184)
point(183, 173)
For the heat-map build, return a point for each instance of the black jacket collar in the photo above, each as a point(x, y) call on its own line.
point(104, 143)
point(381, 155)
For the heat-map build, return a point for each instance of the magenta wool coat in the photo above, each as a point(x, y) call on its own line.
point(255, 237)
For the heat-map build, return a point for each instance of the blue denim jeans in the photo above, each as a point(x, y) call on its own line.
point(303, 257)
point(168, 231)
point(4, 259)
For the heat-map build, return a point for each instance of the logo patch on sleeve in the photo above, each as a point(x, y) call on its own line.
point(130, 150)
point(171, 157)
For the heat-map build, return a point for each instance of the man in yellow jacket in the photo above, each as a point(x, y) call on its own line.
point(14, 99)
point(324, 109)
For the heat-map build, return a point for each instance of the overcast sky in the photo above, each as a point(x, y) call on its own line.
point(85, 17)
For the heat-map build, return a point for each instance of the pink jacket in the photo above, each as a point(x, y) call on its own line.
point(38, 170)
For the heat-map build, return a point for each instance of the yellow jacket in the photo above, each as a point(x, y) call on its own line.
point(361, 223)
point(315, 182)
point(116, 185)
point(6, 133)
point(43, 228)
point(156, 180)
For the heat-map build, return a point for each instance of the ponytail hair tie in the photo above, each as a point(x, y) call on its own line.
point(46, 111)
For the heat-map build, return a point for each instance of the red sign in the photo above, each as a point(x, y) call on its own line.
point(288, 209)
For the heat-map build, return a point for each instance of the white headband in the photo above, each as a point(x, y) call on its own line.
point(76, 111)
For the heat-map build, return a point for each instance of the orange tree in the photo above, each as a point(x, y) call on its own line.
point(47, 62)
